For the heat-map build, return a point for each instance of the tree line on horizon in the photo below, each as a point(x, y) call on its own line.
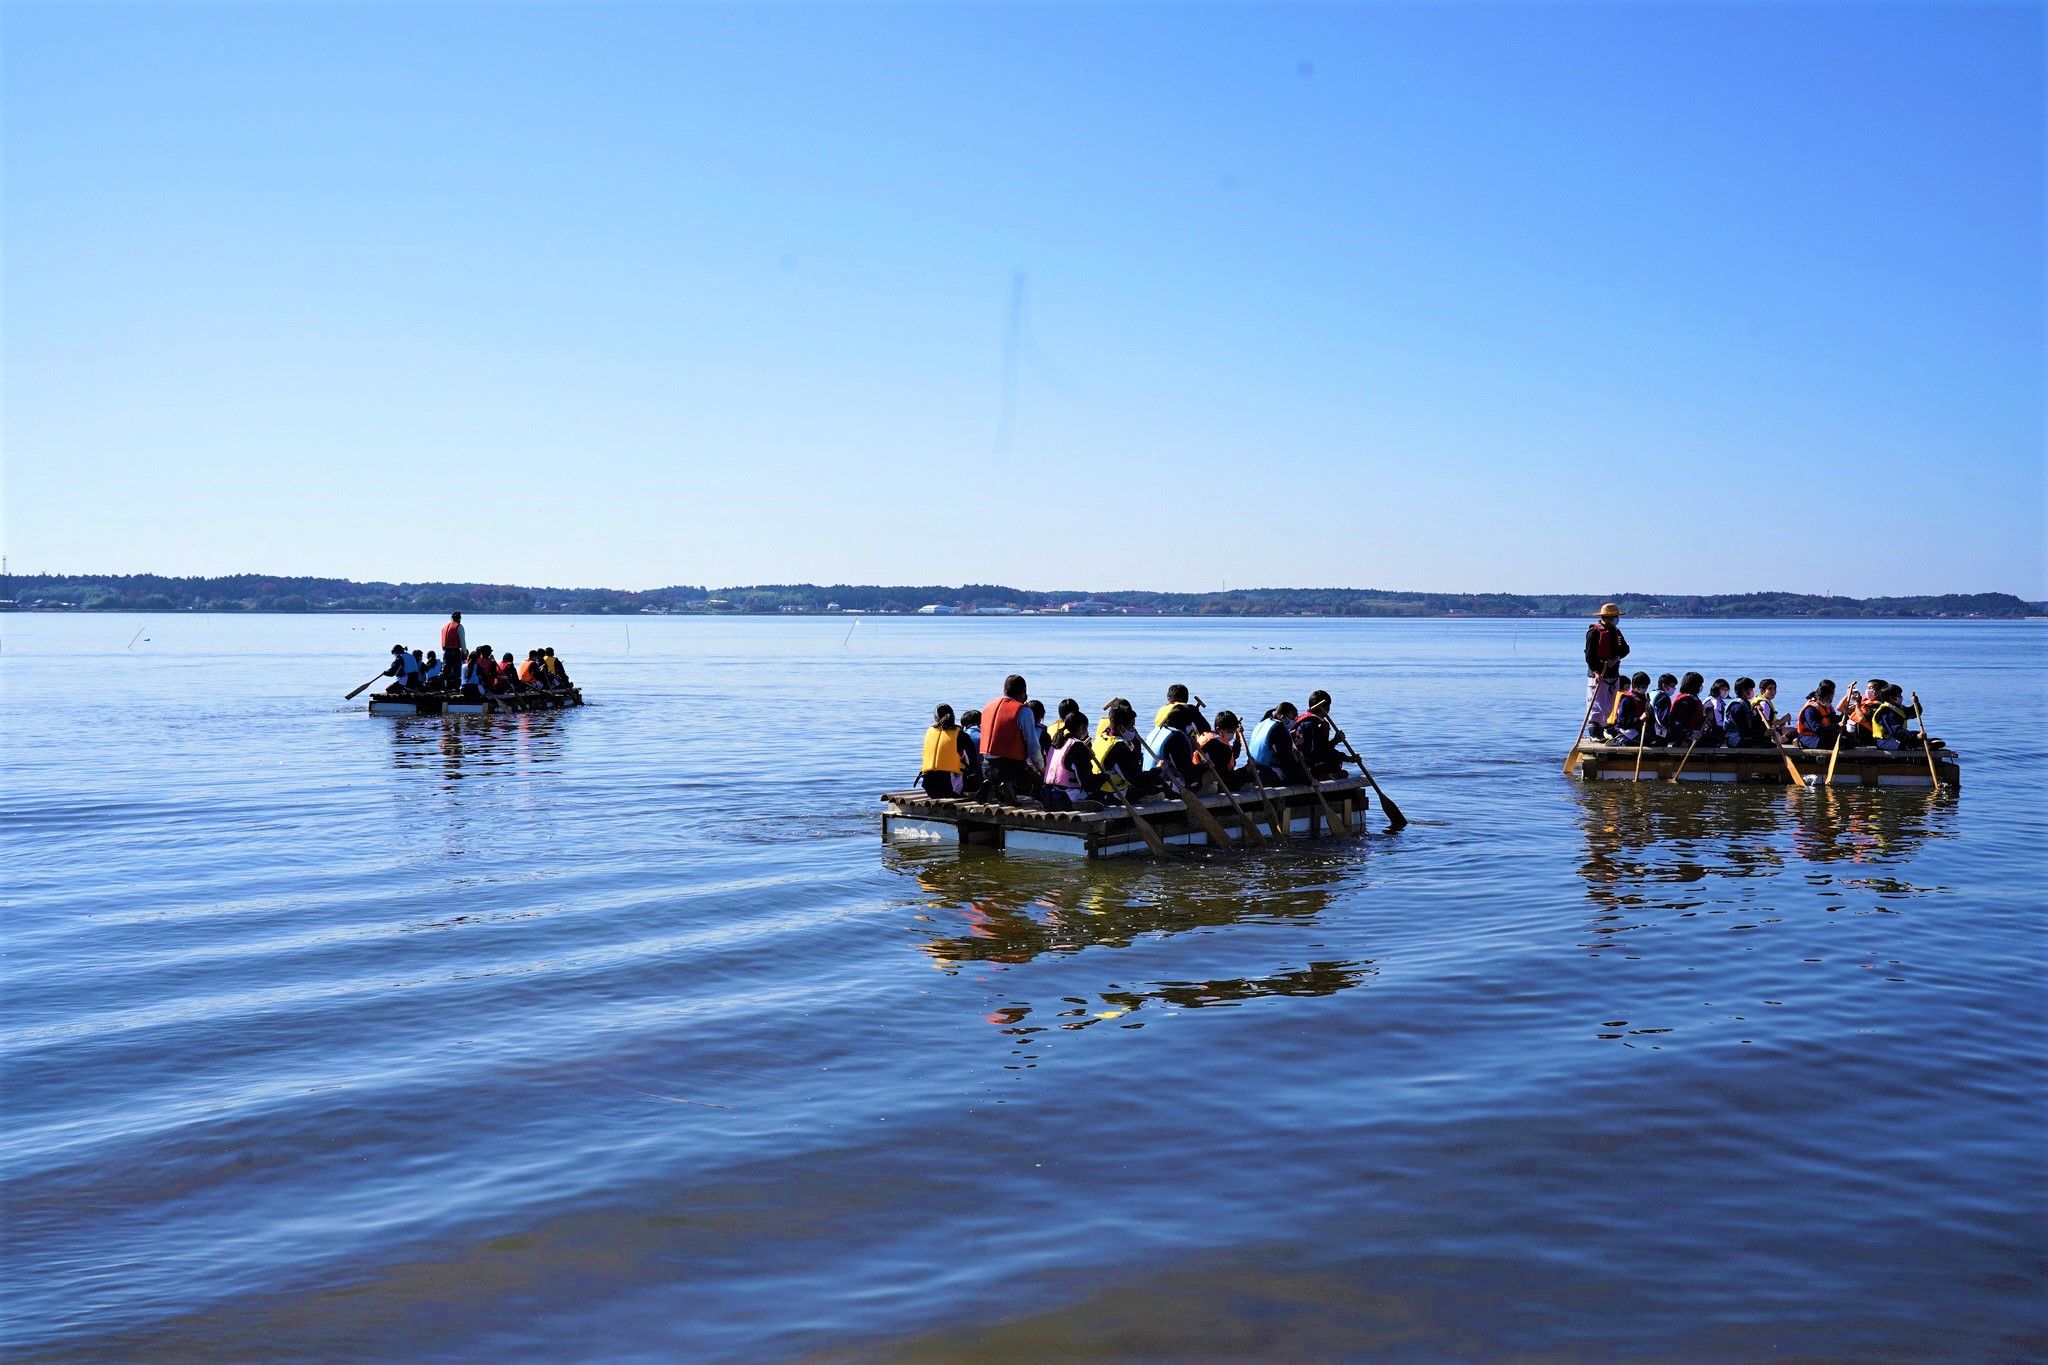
point(273, 593)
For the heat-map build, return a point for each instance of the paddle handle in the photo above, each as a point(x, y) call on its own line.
point(1926, 748)
point(359, 691)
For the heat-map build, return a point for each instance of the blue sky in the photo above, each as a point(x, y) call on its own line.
point(1463, 297)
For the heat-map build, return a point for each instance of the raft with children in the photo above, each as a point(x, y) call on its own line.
point(1684, 729)
point(460, 681)
point(1003, 777)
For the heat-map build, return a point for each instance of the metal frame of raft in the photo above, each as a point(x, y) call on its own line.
point(1858, 767)
point(911, 817)
point(455, 704)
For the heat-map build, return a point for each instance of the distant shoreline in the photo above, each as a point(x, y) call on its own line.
point(282, 595)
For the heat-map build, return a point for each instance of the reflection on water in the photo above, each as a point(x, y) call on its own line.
point(989, 909)
point(1660, 863)
point(455, 746)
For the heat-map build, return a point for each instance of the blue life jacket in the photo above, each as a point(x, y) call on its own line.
point(1155, 744)
point(1269, 743)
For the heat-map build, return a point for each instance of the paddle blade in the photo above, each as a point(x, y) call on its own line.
point(1394, 817)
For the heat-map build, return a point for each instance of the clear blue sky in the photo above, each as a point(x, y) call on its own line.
point(1520, 297)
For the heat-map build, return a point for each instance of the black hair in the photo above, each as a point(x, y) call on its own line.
point(1894, 693)
point(1226, 720)
point(455, 616)
point(1744, 686)
point(1013, 687)
point(970, 717)
point(1639, 680)
point(1318, 698)
point(1122, 715)
point(1037, 709)
point(942, 716)
point(1667, 680)
point(1718, 683)
point(1069, 707)
point(1762, 683)
point(1177, 692)
point(1826, 688)
point(1284, 710)
point(1691, 682)
point(1179, 715)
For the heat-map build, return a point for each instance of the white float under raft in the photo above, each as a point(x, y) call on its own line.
point(1858, 767)
point(911, 817)
point(455, 704)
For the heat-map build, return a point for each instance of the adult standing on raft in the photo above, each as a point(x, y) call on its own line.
point(454, 639)
point(1605, 649)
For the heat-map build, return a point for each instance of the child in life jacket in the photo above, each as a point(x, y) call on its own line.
point(1690, 722)
point(1660, 708)
point(943, 772)
point(1072, 781)
point(1631, 710)
point(1817, 724)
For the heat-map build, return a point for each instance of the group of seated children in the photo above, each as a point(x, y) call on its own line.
point(475, 674)
point(1745, 716)
point(1006, 753)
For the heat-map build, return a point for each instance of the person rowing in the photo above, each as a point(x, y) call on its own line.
point(404, 670)
point(1272, 747)
point(1741, 726)
point(1217, 751)
point(1119, 755)
point(1072, 781)
point(1318, 737)
point(1177, 695)
point(1817, 724)
point(1631, 711)
point(1172, 744)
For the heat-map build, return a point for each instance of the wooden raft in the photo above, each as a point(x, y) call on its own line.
point(911, 817)
point(1861, 767)
point(455, 704)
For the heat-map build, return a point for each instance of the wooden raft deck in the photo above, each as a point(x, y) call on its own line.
point(454, 704)
point(1861, 767)
point(911, 817)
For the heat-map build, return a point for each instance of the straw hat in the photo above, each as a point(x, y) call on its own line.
point(1611, 609)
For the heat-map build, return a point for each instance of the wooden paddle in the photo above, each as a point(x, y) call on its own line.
point(1572, 757)
point(1841, 728)
point(1688, 753)
point(1251, 831)
point(1329, 816)
point(1790, 766)
point(371, 683)
point(1924, 746)
point(1394, 817)
point(1643, 724)
point(1274, 819)
point(1209, 823)
point(1145, 830)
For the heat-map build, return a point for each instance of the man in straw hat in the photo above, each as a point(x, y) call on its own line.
point(1605, 649)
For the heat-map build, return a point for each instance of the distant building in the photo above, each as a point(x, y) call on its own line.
point(936, 610)
point(995, 611)
point(831, 606)
point(1089, 608)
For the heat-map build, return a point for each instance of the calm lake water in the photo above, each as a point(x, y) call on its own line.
point(617, 1033)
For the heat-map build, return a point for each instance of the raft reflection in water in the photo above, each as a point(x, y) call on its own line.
point(1679, 882)
point(988, 912)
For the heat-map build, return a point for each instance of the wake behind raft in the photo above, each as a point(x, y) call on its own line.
point(912, 817)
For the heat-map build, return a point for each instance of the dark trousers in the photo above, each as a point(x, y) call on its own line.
point(1012, 773)
point(939, 785)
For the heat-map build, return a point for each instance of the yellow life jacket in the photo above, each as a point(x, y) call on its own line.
point(1105, 744)
point(1877, 715)
point(1164, 712)
point(942, 751)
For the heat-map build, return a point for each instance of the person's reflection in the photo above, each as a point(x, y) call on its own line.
point(992, 909)
point(475, 746)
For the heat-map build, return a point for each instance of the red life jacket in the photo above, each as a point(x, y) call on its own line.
point(1686, 712)
point(1628, 710)
point(1604, 642)
point(451, 637)
point(1002, 735)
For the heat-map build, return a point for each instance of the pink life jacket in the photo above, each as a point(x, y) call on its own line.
point(1060, 773)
